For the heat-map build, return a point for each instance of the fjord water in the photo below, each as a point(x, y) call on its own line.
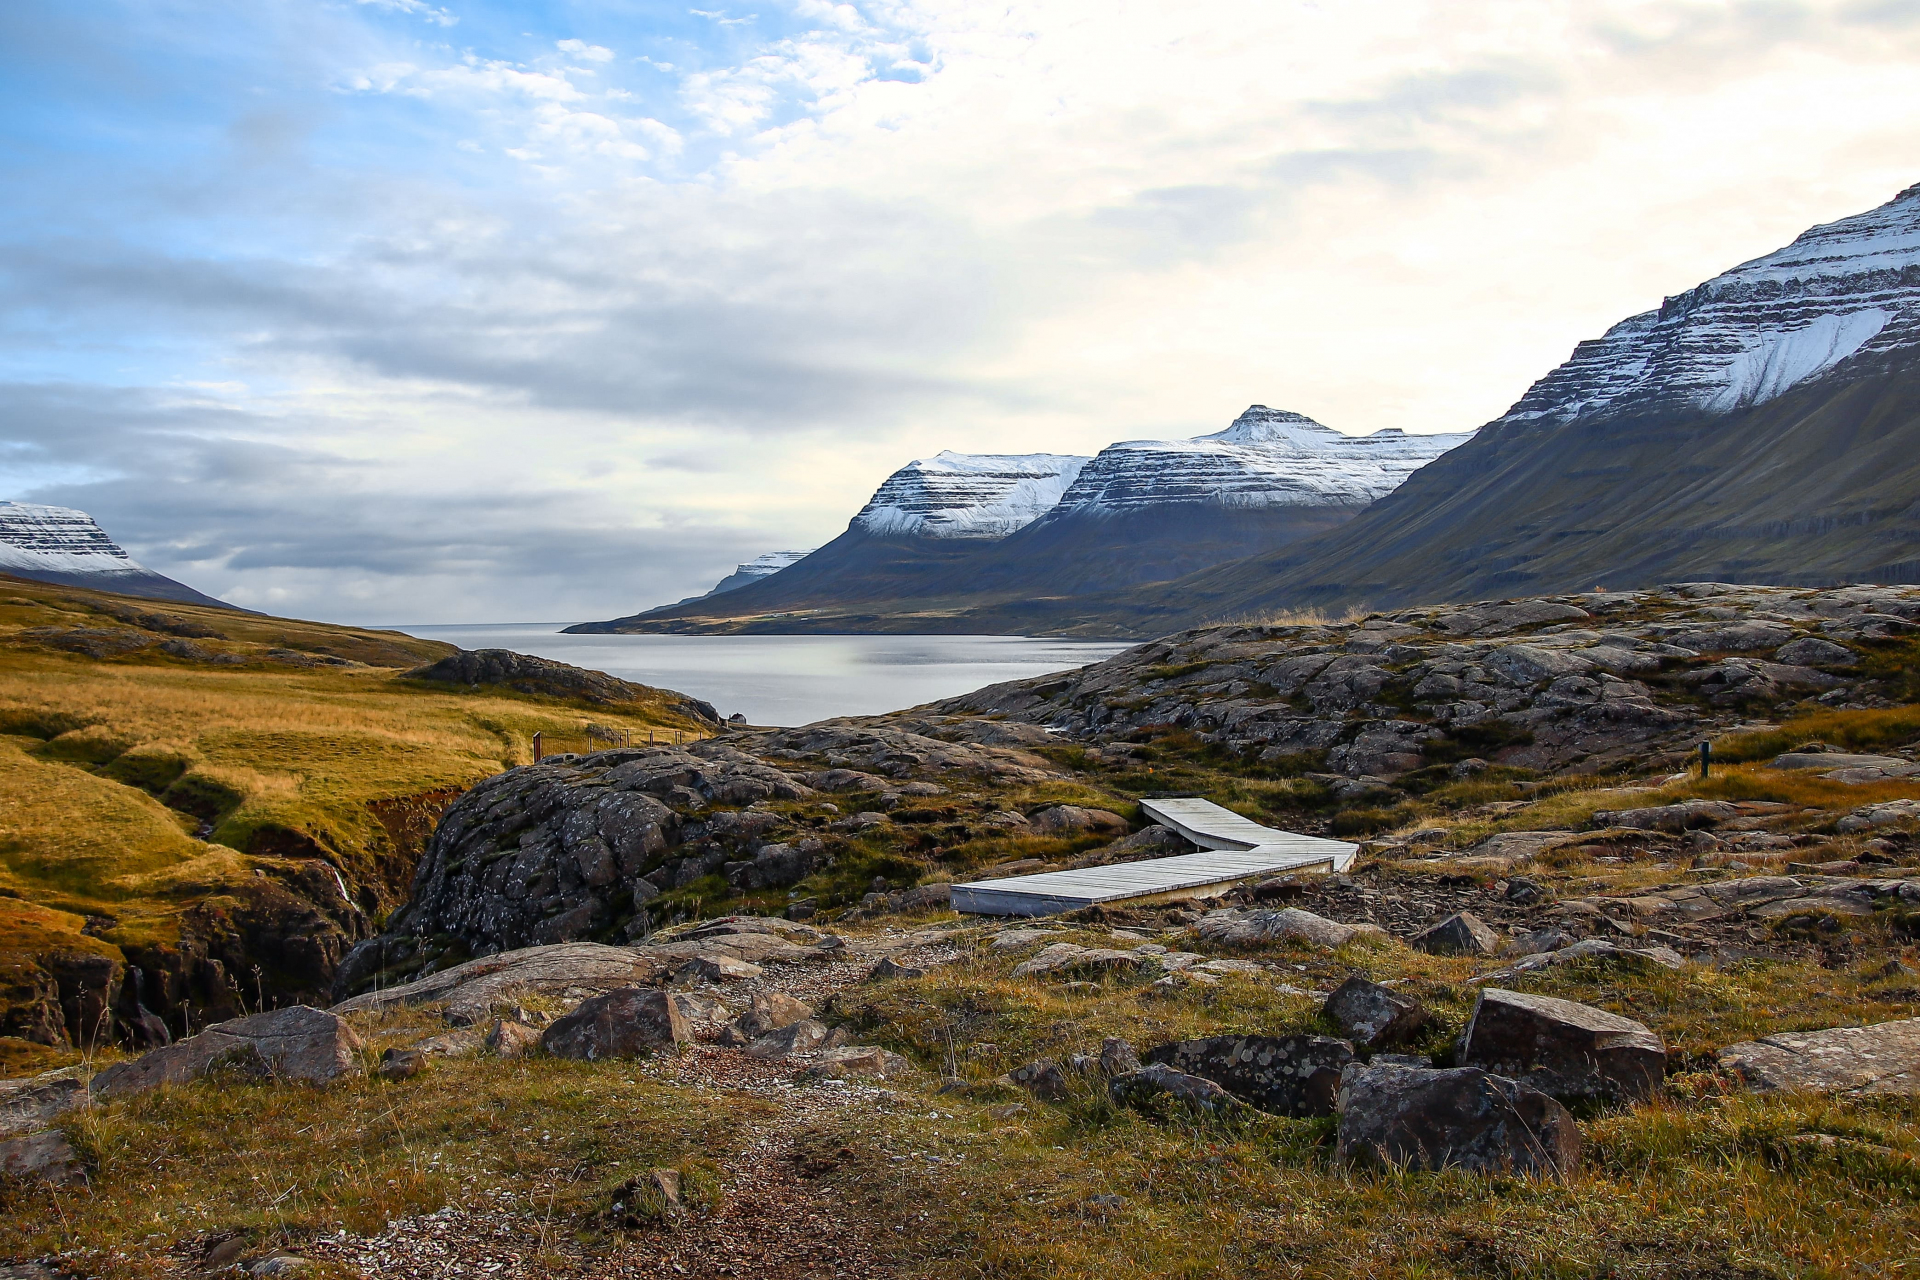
point(788, 680)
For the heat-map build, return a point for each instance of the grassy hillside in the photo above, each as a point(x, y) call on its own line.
point(196, 792)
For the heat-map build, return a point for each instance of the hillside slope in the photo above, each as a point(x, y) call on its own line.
point(223, 802)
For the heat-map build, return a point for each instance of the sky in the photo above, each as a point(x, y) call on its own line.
point(398, 311)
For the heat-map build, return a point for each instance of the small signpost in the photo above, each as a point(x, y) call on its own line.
point(1706, 758)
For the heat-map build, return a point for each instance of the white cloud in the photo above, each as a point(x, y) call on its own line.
point(581, 49)
point(418, 8)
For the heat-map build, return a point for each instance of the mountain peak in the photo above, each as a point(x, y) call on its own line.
point(1260, 424)
point(65, 545)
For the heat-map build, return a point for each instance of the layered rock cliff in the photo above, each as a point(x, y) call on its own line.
point(60, 544)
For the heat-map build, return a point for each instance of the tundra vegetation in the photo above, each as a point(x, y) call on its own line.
point(822, 1070)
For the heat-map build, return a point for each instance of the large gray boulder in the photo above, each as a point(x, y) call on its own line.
point(1571, 1051)
point(1463, 1118)
point(1883, 1059)
point(299, 1043)
point(1373, 1016)
point(1295, 1075)
point(1248, 927)
point(46, 1156)
point(619, 1024)
point(575, 846)
point(1460, 934)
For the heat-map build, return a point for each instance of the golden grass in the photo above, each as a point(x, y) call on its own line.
point(1863, 731)
point(133, 787)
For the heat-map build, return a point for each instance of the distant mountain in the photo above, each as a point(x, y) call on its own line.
point(60, 544)
point(1152, 510)
point(1762, 427)
point(950, 536)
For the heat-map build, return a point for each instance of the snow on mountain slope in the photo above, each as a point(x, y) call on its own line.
point(1749, 334)
point(37, 539)
point(1267, 458)
point(967, 495)
point(60, 544)
point(762, 566)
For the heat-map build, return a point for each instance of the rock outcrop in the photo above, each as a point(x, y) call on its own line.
point(1883, 1059)
point(524, 673)
point(1402, 1117)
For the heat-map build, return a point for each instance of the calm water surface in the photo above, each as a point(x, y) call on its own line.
point(784, 680)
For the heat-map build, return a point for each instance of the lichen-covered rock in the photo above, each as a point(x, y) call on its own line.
point(1373, 1016)
point(1157, 1083)
point(1883, 1059)
point(1403, 1117)
point(568, 970)
point(1572, 1051)
point(1294, 1075)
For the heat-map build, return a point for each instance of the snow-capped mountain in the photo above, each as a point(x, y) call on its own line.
point(967, 495)
point(1763, 426)
point(60, 544)
point(1846, 288)
point(763, 566)
point(1267, 458)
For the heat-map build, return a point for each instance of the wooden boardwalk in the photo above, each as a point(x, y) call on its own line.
point(1236, 849)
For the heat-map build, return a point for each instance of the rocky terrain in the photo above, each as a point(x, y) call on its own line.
point(62, 545)
point(704, 1010)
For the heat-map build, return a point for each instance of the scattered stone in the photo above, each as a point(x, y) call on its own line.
point(1400, 1117)
point(1812, 651)
point(295, 1043)
point(1524, 892)
point(654, 1197)
point(1295, 1075)
point(46, 1156)
point(509, 1039)
point(1159, 1083)
point(1043, 1078)
point(1373, 1016)
point(769, 1011)
point(33, 1102)
point(804, 1036)
point(281, 1264)
point(1007, 1110)
point(1877, 1060)
point(619, 1024)
point(1460, 934)
point(1065, 957)
point(889, 968)
point(402, 1064)
point(1572, 1051)
point(864, 1060)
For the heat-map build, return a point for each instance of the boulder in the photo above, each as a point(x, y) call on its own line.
point(33, 1102)
point(46, 1156)
point(804, 1036)
point(865, 1060)
point(1405, 1117)
point(619, 1024)
point(1247, 927)
point(1812, 651)
point(716, 968)
point(1882, 1059)
point(1373, 1016)
point(1460, 934)
point(402, 1064)
point(1117, 1057)
point(509, 1039)
point(1062, 819)
point(1571, 1051)
point(1157, 1084)
point(295, 1043)
point(769, 1011)
point(1295, 1075)
point(1065, 957)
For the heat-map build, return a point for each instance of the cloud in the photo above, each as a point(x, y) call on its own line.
point(581, 49)
point(322, 306)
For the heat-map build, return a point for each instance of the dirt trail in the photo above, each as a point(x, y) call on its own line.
point(772, 1223)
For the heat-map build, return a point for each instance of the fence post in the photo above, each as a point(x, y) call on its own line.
point(537, 747)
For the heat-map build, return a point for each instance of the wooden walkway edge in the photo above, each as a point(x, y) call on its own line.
point(1236, 849)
